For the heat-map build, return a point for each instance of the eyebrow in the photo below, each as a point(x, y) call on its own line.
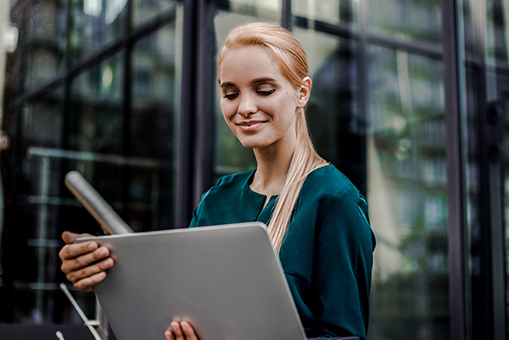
point(255, 81)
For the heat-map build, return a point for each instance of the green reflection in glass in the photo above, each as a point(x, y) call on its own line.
point(330, 11)
point(95, 24)
point(413, 20)
point(406, 192)
point(96, 108)
point(144, 10)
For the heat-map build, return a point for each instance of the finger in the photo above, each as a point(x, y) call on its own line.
point(75, 251)
point(70, 237)
point(71, 251)
point(188, 330)
point(71, 263)
point(177, 331)
point(88, 271)
point(168, 334)
point(87, 284)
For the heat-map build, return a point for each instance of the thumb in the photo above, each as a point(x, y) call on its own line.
point(70, 237)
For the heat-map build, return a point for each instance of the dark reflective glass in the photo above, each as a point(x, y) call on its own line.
point(43, 41)
point(153, 124)
point(95, 24)
point(96, 108)
point(486, 128)
point(30, 264)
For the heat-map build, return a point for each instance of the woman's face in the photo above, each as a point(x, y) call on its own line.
point(258, 103)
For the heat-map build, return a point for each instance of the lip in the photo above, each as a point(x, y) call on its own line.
point(250, 125)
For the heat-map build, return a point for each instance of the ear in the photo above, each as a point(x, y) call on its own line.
point(304, 92)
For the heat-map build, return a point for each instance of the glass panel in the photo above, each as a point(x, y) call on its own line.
point(403, 143)
point(154, 121)
point(45, 29)
point(96, 114)
point(262, 9)
point(497, 14)
point(486, 92)
point(333, 112)
point(330, 11)
point(231, 156)
point(144, 10)
point(31, 268)
point(95, 23)
point(412, 20)
point(406, 192)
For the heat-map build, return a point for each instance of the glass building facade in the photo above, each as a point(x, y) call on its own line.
point(410, 100)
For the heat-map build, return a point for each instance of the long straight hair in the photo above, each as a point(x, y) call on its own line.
point(289, 55)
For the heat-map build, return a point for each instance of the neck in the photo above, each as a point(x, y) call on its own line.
point(273, 163)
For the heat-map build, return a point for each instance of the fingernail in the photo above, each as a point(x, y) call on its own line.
point(91, 246)
point(108, 262)
point(174, 326)
point(103, 252)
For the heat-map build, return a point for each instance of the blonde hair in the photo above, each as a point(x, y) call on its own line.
point(290, 56)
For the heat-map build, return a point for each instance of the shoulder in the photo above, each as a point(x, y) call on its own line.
point(339, 204)
point(328, 182)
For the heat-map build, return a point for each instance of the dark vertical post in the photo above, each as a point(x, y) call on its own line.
point(495, 118)
point(187, 113)
point(455, 207)
point(488, 283)
point(204, 96)
point(362, 93)
point(286, 15)
point(125, 119)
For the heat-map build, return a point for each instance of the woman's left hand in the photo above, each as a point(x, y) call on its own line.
point(180, 331)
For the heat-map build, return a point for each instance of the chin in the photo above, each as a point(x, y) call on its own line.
point(253, 144)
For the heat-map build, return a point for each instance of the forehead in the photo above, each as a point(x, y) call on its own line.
point(245, 63)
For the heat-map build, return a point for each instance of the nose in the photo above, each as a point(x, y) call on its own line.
point(247, 106)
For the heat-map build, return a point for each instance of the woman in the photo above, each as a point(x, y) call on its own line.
point(316, 218)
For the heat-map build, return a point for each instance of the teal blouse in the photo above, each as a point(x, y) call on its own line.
point(327, 254)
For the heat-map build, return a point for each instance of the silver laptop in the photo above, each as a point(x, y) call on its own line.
point(225, 280)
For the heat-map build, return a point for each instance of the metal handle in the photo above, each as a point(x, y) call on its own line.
point(109, 220)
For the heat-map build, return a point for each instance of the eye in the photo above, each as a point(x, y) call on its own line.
point(231, 96)
point(266, 93)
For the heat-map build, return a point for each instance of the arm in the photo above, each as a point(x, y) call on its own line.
point(343, 259)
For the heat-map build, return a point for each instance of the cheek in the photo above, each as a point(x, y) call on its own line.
point(228, 109)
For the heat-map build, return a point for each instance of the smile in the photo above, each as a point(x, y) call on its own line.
point(250, 125)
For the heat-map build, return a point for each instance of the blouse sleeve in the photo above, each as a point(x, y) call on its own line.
point(343, 262)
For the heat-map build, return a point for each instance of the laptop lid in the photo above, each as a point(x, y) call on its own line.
point(226, 281)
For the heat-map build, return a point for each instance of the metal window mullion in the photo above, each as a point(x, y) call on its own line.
point(125, 125)
point(204, 96)
point(455, 177)
point(186, 146)
point(286, 14)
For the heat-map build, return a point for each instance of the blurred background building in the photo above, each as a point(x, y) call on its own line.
point(410, 100)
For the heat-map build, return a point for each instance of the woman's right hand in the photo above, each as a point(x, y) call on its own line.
point(84, 264)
